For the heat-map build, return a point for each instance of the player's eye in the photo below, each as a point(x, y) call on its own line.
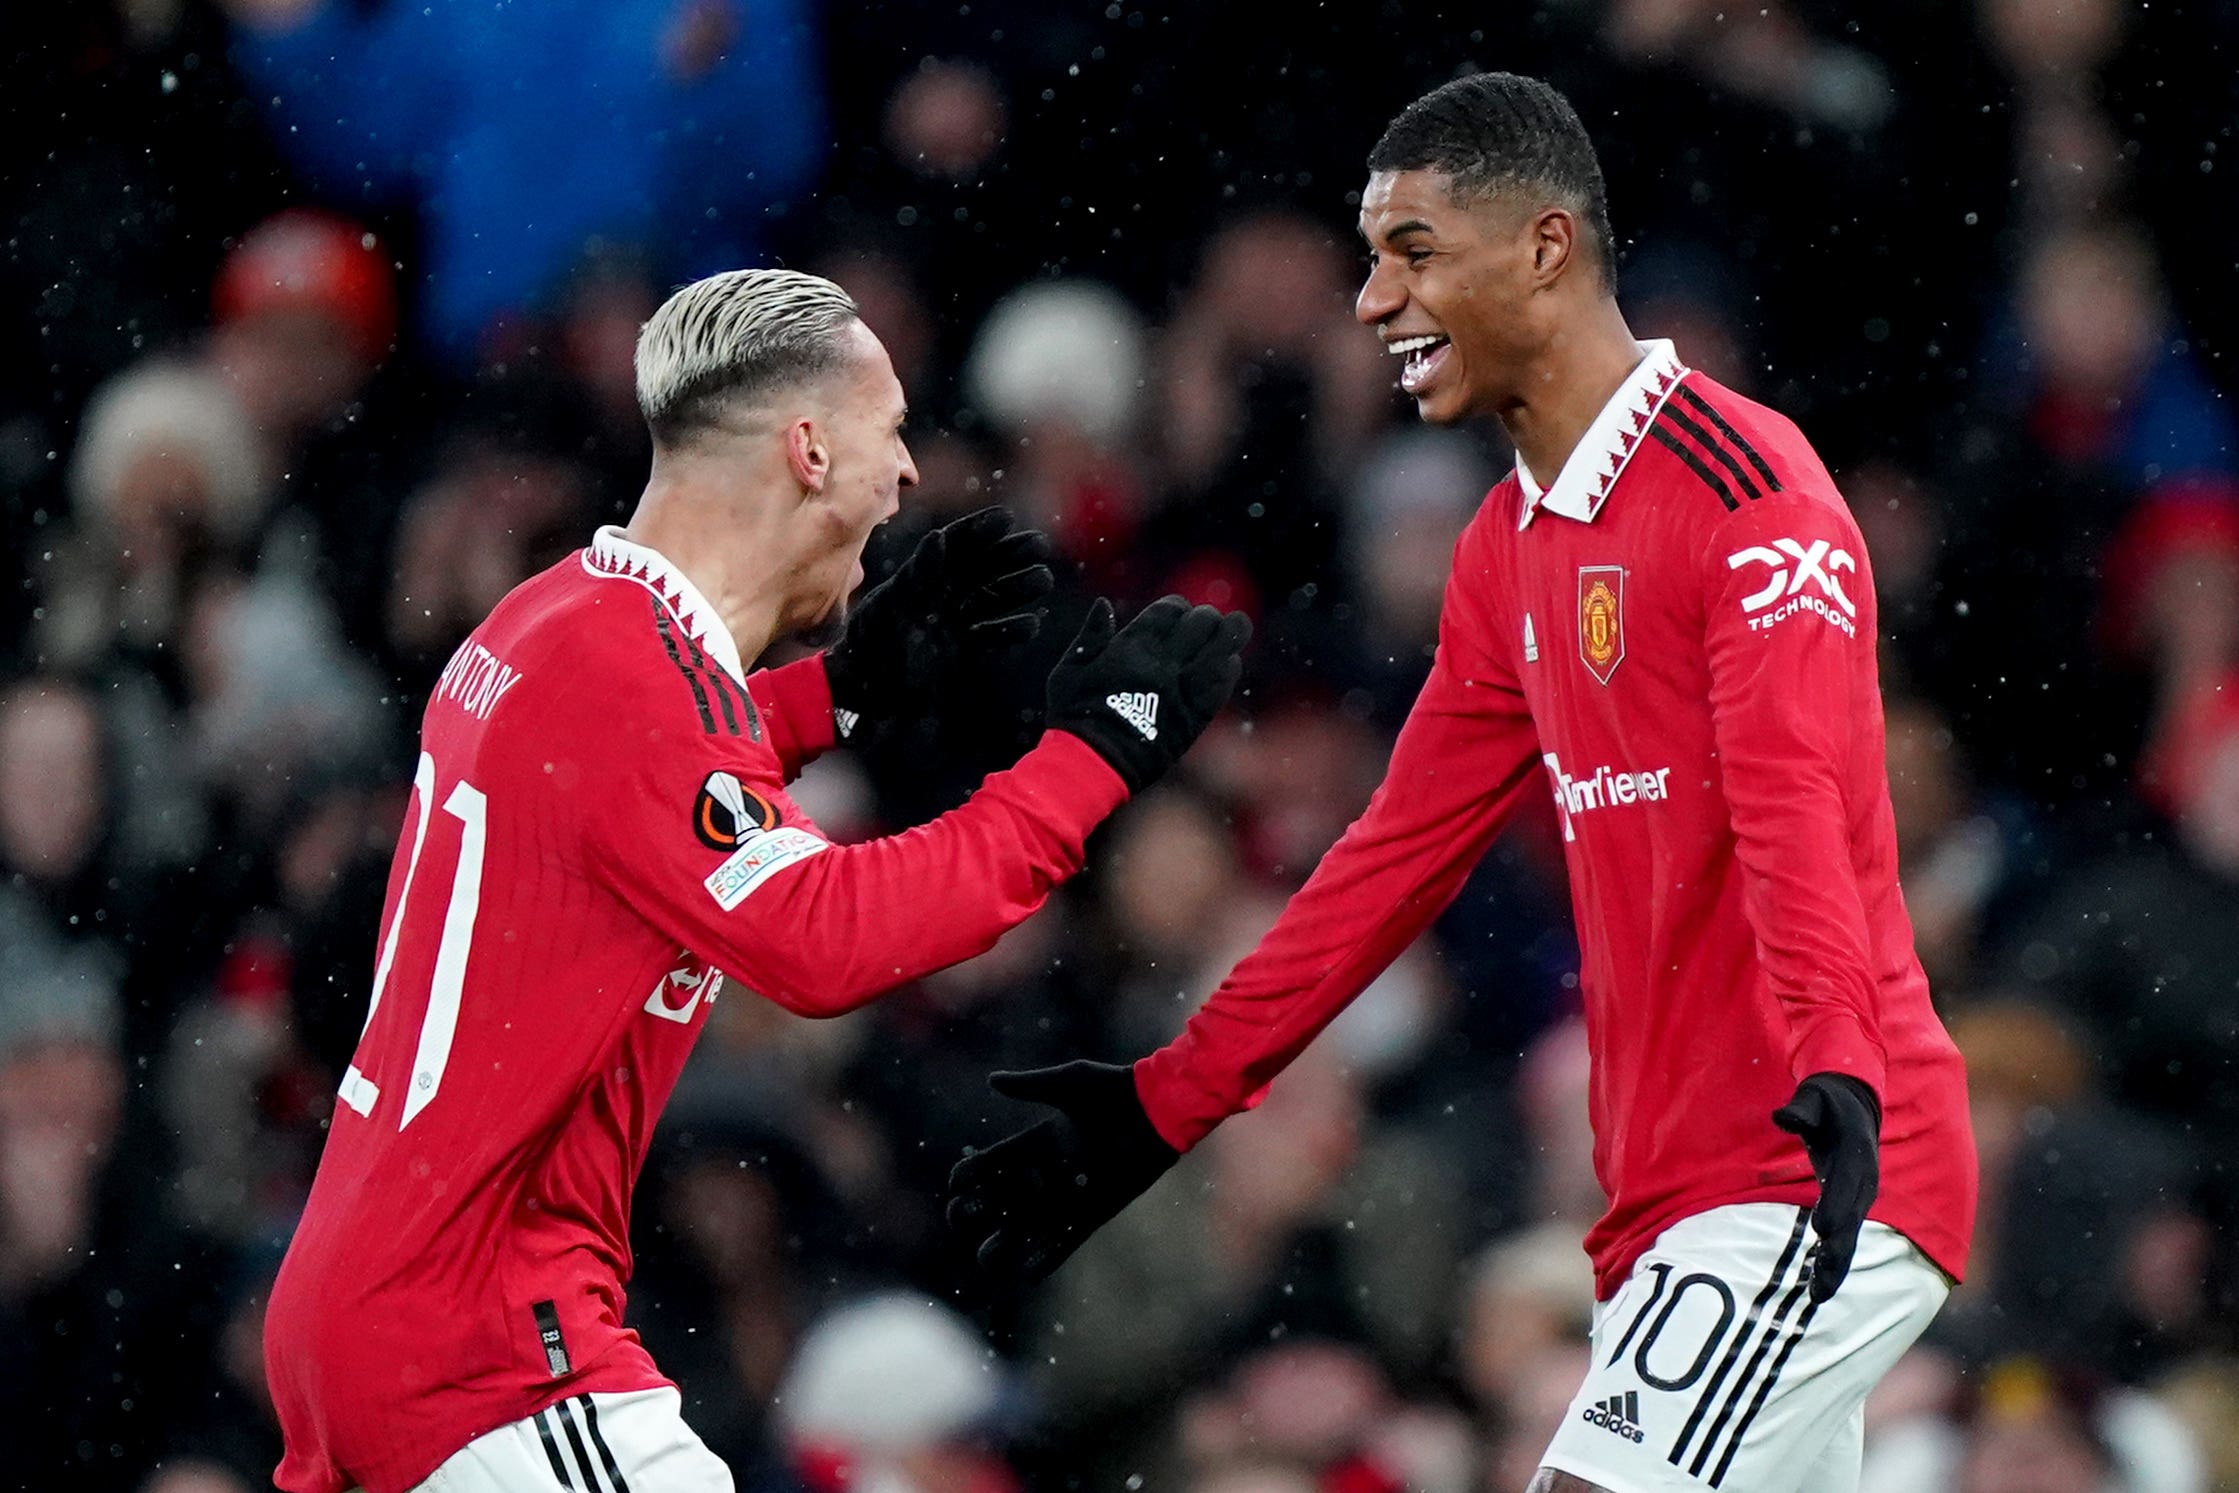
point(1417, 255)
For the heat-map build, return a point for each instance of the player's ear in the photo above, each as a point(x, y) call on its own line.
point(1554, 243)
point(807, 453)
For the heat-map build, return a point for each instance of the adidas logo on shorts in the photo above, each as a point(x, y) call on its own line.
point(1139, 708)
point(1618, 1413)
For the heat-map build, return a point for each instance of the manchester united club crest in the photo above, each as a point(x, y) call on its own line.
point(1601, 618)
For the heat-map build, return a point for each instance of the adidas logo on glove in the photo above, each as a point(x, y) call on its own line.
point(1619, 1413)
point(1139, 708)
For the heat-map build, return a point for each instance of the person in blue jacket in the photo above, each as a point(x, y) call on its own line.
point(526, 134)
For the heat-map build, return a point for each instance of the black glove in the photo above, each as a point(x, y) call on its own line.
point(1141, 697)
point(969, 589)
point(1840, 1123)
point(1026, 1202)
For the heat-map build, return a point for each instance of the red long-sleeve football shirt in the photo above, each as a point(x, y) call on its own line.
point(1677, 640)
point(599, 846)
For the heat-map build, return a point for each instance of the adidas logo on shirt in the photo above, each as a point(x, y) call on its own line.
point(1139, 708)
point(1618, 1413)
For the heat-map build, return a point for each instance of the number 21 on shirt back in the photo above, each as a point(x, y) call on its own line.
point(466, 804)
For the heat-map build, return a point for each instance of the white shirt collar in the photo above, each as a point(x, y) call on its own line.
point(1585, 481)
point(609, 553)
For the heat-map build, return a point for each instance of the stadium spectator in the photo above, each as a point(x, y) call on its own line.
point(1262, 399)
point(2170, 604)
point(737, 1217)
point(167, 480)
point(892, 1394)
point(1320, 1409)
point(669, 126)
point(1057, 372)
point(2092, 398)
point(920, 1069)
point(2033, 1426)
point(488, 518)
point(2137, 944)
point(1525, 1297)
point(1406, 505)
point(305, 309)
point(1533, 1416)
point(101, 1344)
point(78, 868)
point(2129, 1292)
point(1902, 517)
point(2068, 152)
point(1174, 897)
point(1959, 855)
point(1305, 1224)
point(2111, 384)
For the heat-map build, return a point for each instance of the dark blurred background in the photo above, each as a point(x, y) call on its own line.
point(315, 331)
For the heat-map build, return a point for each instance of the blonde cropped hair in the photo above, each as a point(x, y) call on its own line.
point(735, 336)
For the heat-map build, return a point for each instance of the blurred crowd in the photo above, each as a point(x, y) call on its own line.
point(316, 320)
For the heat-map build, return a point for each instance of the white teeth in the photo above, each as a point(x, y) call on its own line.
point(1407, 345)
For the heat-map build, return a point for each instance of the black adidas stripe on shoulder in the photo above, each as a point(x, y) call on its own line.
point(716, 684)
point(710, 681)
point(1734, 437)
point(1709, 444)
point(691, 677)
point(727, 691)
point(1695, 463)
point(1712, 449)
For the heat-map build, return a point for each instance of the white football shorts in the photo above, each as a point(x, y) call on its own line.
point(1712, 1367)
point(591, 1443)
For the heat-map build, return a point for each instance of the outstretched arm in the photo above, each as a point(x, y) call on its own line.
point(1463, 760)
point(822, 928)
point(693, 831)
point(1462, 764)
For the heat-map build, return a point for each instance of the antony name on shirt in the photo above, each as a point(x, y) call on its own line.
point(475, 680)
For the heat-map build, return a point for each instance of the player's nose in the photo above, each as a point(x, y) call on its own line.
point(1379, 300)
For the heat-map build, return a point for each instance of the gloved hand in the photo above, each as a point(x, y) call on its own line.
point(1142, 696)
point(1026, 1202)
point(969, 589)
point(1839, 1119)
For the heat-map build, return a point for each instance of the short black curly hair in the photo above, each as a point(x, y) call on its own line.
point(1492, 132)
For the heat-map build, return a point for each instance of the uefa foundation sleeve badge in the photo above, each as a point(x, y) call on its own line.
point(1601, 618)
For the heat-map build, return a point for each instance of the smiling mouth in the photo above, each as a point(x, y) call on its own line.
point(1423, 355)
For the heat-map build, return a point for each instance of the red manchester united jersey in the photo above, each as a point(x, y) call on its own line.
point(599, 847)
point(1675, 639)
